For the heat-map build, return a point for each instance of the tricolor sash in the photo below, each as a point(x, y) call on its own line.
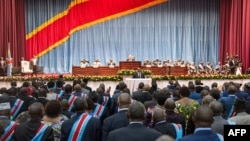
point(84, 95)
point(231, 112)
point(9, 130)
point(178, 129)
point(55, 96)
point(99, 109)
point(61, 93)
point(105, 100)
point(40, 132)
point(71, 100)
point(78, 129)
point(16, 107)
point(221, 138)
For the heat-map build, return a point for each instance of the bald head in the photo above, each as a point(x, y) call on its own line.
point(158, 115)
point(203, 117)
point(207, 99)
point(170, 104)
point(36, 110)
point(124, 100)
point(165, 138)
point(216, 107)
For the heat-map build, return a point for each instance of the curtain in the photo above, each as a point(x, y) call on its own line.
point(12, 29)
point(187, 29)
point(235, 30)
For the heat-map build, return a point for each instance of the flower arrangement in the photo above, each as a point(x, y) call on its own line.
point(131, 72)
point(125, 72)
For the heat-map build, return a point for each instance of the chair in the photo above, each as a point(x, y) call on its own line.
point(25, 68)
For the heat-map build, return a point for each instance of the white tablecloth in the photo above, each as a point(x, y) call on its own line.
point(133, 83)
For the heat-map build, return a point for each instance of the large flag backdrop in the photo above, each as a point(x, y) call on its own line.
point(62, 32)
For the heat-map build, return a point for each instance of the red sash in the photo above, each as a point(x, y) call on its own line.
point(9, 130)
point(99, 109)
point(71, 100)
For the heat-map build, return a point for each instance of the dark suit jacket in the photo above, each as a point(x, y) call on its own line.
point(165, 128)
point(141, 96)
point(134, 132)
point(92, 131)
point(201, 135)
point(27, 130)
point(136, 75)
point(113, 122)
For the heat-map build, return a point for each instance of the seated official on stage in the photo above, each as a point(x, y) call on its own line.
point(131, 58)
point(157, 62)
point(97, 63)
point(138, 74)
point(192, 68)
point(111, 63)
point(147, 63)
point(209, 68)
point(179, 62)
point(201, 68)
point(84, 63)
point(168, 63)
point(2, 66)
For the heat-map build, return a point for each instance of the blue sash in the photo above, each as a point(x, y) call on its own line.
point(16, 107)
point(78, 129)
point(178, 129)
point(221, 138)
point(231, 112)
point(105, 101)
point(71, 100)
point(40, 132)
point(99, 109)
point(9, 130)
point(61, 93)
point(55, 96)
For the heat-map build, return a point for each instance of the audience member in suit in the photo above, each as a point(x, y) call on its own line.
point(59, 87)
point(172, 116)
point(136, 95)
point(203, 119)
point(5, 115)
point(41, 97)
point(160, 123)
point(28, 130)
point(193, 94)
point(138, 74)
point(65, 108)
point(87, 87)
point(67, 92)
point(144, 96)
point(154, 86)
point(23, 95)
point(241, 94)
point(203, 93)
point(242, 117)
point(77, 91)
point(228, 101)
point(152, 103)
point(215, 93)
point(135, 130)
point(92, 130)
point(100, 115)
point(103, 98)
point(198, 85)
point(119, 119)
point(219, 121)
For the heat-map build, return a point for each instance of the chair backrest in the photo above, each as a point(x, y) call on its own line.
point(25, 67)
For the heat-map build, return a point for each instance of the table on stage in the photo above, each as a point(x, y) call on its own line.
point(133, 83)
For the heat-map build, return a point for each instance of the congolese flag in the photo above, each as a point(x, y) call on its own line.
point(80, 14)
point(9, 62)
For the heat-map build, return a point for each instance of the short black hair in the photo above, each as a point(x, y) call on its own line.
point(53, 108)
point(68, 88)
point(184, 91)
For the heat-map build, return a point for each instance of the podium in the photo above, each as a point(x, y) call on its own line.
point(129, 64)
point(133, 83)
